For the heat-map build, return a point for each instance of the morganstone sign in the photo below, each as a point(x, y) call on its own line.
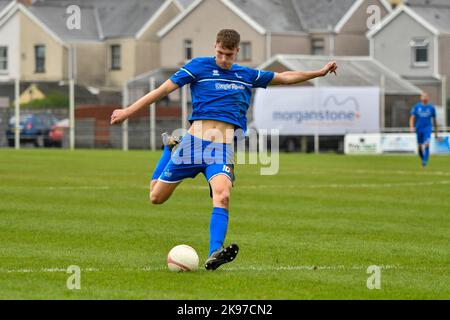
point(323, 111)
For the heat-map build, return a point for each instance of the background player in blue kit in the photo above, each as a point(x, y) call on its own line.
point(221, 93)
point(422, 120)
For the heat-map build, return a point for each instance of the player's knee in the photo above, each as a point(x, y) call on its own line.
point(222, 197)
point(156, 198)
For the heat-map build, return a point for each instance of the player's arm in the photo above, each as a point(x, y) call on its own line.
point(162, 91)
point(412, 120)
point(435, 127)
point(295, 77)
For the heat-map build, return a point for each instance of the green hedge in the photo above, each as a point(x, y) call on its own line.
point(53, 100)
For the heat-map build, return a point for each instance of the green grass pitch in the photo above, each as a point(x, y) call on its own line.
point(310, 232)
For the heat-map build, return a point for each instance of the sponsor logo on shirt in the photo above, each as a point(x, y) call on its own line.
point(216, 73)
point(424, 112)
point(238, 76)
point(229, 86)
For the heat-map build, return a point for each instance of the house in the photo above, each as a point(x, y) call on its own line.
point(270, 27)
point(338, 27)
point(414, 41)
point(8, 42)
point(117, 40)
point(129, 33)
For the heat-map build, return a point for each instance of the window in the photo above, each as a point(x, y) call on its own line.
point(3, 58)
point(187, 46)
point(115, 57)
point(318, 47)
point(39, 56)
point(245, 53)
point(420, 52)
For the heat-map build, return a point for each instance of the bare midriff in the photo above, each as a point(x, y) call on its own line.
point(212, 130)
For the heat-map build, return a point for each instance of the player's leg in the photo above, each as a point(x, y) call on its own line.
point(420, 152)
point(179, 167)
point(169, 143)
point(160, 191)
point(420, 142)
point(221, 177)
point(221, 191)
point(426, 147)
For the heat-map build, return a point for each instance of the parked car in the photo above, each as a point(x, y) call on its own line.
point(58, 133)
point(34, 128)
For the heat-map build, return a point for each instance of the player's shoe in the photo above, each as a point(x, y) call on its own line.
point(221, 257)
point(171, 141)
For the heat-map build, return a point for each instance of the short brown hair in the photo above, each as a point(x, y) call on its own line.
point(229, 39)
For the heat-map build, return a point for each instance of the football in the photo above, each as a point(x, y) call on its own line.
point(182, 258)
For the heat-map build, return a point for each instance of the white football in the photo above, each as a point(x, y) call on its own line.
point(182, 258)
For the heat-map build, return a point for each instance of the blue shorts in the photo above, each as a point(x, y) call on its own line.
point(424, 135)
point(194, 156)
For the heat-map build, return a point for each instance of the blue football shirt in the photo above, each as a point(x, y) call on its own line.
point(423, 114)
point(220, 94)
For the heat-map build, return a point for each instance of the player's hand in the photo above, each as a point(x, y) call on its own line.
point(118, 116)
point(330, 67)
point(411, 130)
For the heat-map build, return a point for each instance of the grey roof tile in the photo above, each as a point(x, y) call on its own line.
point(126, 18)
point(273, 15)
point(320, 14)
point(54, 16)
point(437, 16)
point(118, 18)
point(428, 2)
point(4, 4)
point(295, 15)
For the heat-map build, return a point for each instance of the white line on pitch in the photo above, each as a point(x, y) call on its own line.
point(237, 268)
point(337, 186)
point(59, 187)
point(259, 186)
point(399, 172)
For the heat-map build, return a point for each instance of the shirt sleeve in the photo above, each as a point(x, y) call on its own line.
point(413, 111)
point(261, 78)
point(186, 74)
point(433, 112)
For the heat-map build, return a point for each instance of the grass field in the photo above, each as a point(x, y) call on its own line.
point(310, 232)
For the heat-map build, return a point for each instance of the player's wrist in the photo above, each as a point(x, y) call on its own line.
point(128, 111)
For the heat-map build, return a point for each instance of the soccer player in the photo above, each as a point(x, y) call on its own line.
point(422, 120)
point(221, 91)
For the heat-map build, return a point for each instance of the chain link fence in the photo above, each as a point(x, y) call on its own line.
point(44, 123)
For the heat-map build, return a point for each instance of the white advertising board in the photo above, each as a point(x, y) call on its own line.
point(399, 143)
point(362, 144)
point(323, 111)
point(392, 143)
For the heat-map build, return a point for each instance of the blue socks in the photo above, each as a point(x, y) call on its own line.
point(218, 229)
point(162, 163)
point(426, 156)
